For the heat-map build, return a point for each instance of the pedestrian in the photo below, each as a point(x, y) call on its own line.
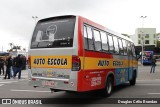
point(8, 67)
point(18, 66)
point(23, 62)
point(11, 69)
point(14, 65)
point(1, 65)
point(153, 64)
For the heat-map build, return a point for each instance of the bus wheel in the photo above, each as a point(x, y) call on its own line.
point(108, 88)
point(133, 81)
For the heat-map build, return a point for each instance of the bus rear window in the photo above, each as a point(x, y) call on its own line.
point(54, 33)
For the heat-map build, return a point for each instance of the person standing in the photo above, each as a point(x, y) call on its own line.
point(1, 65)
point(13, 65)
point(8, 67)
point(23, 62)
point(11, 68)
point(153, 64)
point(18, 66)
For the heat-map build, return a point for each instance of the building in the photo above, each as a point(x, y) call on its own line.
point(15, 53)
point(158, 36)
point(148, 35)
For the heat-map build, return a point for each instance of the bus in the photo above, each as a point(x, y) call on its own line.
point(147, 57)
point(72, 53)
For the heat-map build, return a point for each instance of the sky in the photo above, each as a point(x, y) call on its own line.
point(121, 16)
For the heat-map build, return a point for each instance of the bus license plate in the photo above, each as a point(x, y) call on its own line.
point(48, 83)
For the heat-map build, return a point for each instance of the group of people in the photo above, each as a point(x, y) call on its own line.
point(13, 66)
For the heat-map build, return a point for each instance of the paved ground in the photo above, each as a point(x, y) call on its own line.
point(144, 72)
point(24, 75)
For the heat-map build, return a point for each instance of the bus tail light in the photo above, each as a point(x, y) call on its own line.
point(33, 79)
point(29, 62)
point(76, 63)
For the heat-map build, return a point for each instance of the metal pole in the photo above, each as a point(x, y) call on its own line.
point(142, 38)
point(142, 47)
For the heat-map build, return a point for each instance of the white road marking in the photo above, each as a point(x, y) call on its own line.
point(7, 82)
point(148, 84)
point(149, 80)
point(1, 84)
point(154, 93)
point(30, 91)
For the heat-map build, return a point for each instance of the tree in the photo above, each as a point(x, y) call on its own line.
point(11, 45)
point(158, 43)
point(24, 49)
point(158, 39)
point(14, 47)
point(17, 48)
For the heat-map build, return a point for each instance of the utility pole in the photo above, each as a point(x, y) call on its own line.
point(142, 38)
point(2, 48)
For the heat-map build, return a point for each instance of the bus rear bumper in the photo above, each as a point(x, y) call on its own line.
point(52, 83)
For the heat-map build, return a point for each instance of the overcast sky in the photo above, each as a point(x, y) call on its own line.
point(122, 16)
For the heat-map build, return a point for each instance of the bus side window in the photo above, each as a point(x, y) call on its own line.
point(104, 41)
point(116, 47)
point(97, 40)
point(90, 38)
point(124, 46)
point(110, 39)
point(85, 37)
point(129, 48)
point(133, 50)
point(120, 46)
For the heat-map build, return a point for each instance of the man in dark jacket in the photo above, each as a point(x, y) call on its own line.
point(1, 65)
point(153, 65)
point(18, 66)
point(8, 67)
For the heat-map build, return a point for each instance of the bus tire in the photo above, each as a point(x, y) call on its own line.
point(133, 81)
point(107, 91)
